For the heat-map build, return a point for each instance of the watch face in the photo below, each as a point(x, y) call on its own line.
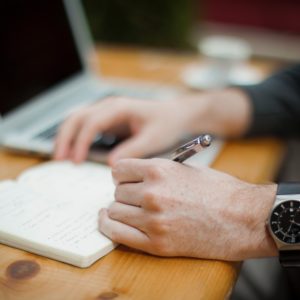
point(285, 221)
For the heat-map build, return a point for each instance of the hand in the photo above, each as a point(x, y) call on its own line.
point(169, 209)
point(154, 126)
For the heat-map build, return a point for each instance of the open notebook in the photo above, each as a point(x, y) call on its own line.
point(52, 209)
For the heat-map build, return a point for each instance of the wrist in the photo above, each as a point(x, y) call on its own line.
point(195, 112)
point(261, 244)
point(225, 113)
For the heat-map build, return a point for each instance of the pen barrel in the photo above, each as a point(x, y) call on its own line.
point(184, 156)
point(191, 148)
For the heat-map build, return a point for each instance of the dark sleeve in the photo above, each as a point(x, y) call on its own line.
point(276, 104)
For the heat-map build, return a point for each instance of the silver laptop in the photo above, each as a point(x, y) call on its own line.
point(45, 73)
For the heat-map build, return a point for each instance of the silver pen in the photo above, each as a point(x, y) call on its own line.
point(191, 148)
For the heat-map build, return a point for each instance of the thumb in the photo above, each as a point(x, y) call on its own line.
point(137, 146)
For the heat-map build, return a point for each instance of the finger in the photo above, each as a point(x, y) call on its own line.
point(138, 146)
point(129, 193)
point(129, 170)
point(127, 214)
point(122, 233)
point(103, 120)
point(67, 133)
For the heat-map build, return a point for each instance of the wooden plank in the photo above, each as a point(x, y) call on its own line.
point(253, 160)
point(11, 165)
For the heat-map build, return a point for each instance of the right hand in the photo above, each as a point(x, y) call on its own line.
point(153, 127)
point(170, 209)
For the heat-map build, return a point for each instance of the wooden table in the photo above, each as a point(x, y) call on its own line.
point(124, 273)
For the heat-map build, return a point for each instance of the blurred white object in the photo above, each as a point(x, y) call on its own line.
point(224, 64)
point(244, 74)
point(225, 48)
point(199, 76)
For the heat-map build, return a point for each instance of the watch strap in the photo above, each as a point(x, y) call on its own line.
point(290, 258)
point(293, 274)
point(288, 188)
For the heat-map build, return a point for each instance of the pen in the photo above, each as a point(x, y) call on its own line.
point(191, 148)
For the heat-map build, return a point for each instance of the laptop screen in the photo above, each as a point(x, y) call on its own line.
point(37, 49)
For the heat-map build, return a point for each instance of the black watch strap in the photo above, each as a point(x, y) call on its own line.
point(290, 259)
point(292, 275)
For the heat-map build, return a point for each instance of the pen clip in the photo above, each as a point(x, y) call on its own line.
point(192, 147)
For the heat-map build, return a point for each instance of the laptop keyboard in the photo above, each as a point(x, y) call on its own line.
point(105, 141)
point(49, 133)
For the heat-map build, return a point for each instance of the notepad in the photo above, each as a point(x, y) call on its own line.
point(52, 210)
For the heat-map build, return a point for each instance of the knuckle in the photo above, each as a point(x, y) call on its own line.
point(158, 225)
point(154, 172)
point(151, 201)
point(153, 224)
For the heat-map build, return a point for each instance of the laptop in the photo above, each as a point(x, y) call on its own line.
point(46, 73)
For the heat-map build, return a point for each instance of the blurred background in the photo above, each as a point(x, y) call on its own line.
point(272, 27)
point(225, 34)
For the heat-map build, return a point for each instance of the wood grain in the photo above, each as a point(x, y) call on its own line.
point(125, 273)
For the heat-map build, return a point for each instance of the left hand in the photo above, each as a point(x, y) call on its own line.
point(170, 209)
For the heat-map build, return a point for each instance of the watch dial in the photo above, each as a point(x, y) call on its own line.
point(285, 221)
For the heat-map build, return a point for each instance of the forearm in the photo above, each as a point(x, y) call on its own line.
point(269, 108)
point(225, 113)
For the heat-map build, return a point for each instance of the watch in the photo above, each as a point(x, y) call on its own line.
point(284, 227)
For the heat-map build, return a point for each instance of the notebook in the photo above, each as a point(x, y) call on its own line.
point(52, 210)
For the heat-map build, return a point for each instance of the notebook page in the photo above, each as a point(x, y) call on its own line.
point(54, 207)
point(86, 183)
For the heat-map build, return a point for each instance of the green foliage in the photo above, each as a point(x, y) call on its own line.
point(160, 23)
